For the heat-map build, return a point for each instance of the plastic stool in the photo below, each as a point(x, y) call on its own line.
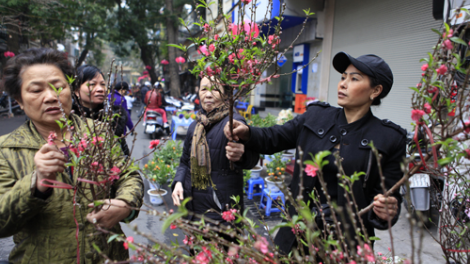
point(269, 201)
point(177, 122)
point(254, 184)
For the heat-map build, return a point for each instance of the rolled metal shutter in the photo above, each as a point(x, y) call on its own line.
point(399, 31)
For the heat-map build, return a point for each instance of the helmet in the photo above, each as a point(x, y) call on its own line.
point(147, 83)
point(156, 84)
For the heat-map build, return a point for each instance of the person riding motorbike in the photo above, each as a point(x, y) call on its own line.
point(153, 100)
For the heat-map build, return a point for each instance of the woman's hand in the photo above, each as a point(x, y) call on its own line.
point(49, 160)
point(177, 194)
point(234, 151)
point(385, 207)
point(240, 131)
point(113, 211)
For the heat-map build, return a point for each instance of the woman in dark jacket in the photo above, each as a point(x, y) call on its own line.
point(205, 174)
point(89, 100)
point(348, 130)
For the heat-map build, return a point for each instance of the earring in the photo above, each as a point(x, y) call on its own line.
point(372, 98)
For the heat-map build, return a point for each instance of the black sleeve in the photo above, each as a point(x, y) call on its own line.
point(276, 138)
point(392, 172)
point(250, 157)
point(185, 167)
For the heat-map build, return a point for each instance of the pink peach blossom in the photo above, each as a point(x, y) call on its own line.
point(416, 114)
point(448, 35)
point(203, 50)
point(229, 215)
point(211, 47)
point(82, 145)
point(442, 69)
point(447, 44)
point(128, 240)
point(427, 108)
point(97, 141)
point(180, 60)
point(261, 244)
point(311, 170)
point(207, 27)
point(52, 136)
point(154, 144)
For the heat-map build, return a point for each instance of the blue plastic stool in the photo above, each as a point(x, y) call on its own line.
point(269, 201)
point(254, 185)
point(177, 122)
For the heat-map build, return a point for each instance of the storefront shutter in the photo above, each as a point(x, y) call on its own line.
point(399, 31)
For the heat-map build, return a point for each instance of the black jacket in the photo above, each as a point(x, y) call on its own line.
point(323, 127)
point(227, 182)
point(119, 122)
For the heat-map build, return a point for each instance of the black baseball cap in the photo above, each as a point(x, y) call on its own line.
point(370, 64)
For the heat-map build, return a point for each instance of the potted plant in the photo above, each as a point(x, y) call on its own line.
point(276, 169)
point(158, 176)
point(284, 116)
point(187, 116)
point(162, 168)
point(255, 173)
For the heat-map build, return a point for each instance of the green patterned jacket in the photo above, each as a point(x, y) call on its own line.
point(44, 231)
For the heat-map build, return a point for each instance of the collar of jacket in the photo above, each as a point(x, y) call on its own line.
point(356, 125)
point(91, 113)
point(322, 122)
point(26, 136)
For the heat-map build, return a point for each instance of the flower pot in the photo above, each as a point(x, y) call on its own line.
point(256, 172)
point(156, 196)
point(271, 185)
point(287, 156)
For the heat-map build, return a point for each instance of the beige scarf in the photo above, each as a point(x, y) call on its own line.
point(200, 157)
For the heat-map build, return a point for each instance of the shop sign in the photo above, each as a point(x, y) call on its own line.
point(281, 60)
point(299, 53)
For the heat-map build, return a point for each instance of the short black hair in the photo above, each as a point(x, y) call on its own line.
point(121, 86)
point(84, 74)
point(15, 67)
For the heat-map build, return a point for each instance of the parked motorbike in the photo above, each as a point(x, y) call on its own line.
point(180, 105)
point(425, 188)
point(153, 124)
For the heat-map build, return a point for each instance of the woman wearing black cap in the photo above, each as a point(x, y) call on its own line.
point(347, 130)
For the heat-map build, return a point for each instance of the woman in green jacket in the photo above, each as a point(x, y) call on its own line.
point(41, 218)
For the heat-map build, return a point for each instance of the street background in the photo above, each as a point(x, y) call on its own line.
point(431, 251)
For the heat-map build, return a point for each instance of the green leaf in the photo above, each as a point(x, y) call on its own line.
point(344, 187)
point(414, 89)
point(98, 203)
point(374, 238)
point(458, 40)
point(96, 247)
point(436, 31)
point(181, 47)
point(60, 124)
point(111, 238)
point(447, 27)
point(445, 161)
point(305, 211)
point(171, 219)
point(70, 79)
point(309, 162)
point(236, 199)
